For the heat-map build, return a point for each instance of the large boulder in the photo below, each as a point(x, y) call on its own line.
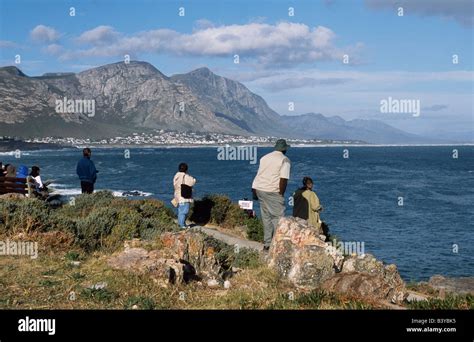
point(364, 276)
point(193, 248)
point(139, 260)
point(183, 257)
point(298, 252)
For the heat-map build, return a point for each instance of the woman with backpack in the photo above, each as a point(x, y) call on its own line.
point(183, 192)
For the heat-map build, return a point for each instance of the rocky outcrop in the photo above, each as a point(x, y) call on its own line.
point(366, 277)
point(193, 249)
point(299, 254)
point(139, 260)
point(443, 285)
point(183, 257)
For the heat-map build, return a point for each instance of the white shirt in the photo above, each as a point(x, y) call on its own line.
point(273, 166)
point(38, 181)
point(182, 178)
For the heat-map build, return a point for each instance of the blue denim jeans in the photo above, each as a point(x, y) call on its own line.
point(183, 210)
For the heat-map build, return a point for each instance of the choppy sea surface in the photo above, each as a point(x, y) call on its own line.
point(431, 233)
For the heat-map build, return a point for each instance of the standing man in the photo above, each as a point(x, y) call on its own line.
point(87, 172)
point(269, 188)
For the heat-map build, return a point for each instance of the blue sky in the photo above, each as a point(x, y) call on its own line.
point(283, 58)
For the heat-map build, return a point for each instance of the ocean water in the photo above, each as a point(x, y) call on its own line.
point(431, 233)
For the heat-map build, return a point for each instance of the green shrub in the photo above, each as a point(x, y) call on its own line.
point(63, 223)
point(246, 258)
point(254, 229)
point(141, 302)
point(450, 302)
point(72, 256)
point(227, 256)
point(218, 210)
point(124, 227)
point(48, 283)
point(100, 295)
point(23, 215)
point(93, 229)
point(84, 204)
point(152, 208)
point(102, 221)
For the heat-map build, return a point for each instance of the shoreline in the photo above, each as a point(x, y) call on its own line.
point(33, 147)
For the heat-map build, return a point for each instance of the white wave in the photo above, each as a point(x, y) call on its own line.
point(131, 193)
point(57, 185)
point(13, 153)
point(116, 193)
point(67, 192)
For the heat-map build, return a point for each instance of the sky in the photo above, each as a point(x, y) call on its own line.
point(334, 57)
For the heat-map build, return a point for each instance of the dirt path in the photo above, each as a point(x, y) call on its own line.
point(229, 239)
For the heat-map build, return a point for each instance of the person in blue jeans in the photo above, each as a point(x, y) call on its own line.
point(87, 172)
point(183, 183)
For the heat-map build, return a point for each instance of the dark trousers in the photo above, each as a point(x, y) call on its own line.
point(87, 187)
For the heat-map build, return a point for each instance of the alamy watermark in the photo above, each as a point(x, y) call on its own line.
point(28, 324)
point(400, 106)
point(78, 106)
point(228, 152)
point(349, 247)
point(19, 248)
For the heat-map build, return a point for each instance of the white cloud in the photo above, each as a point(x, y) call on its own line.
point(284, 43)
point(44, 34)
point(98, 36)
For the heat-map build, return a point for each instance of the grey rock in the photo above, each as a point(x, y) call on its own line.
point(460, 285)
point(365, 276)
point(299, 254)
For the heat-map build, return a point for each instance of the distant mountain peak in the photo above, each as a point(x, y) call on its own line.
point(13, 70)
point(203, 72)
point(132, 67)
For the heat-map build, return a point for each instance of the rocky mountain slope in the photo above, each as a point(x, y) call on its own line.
point(137, 97)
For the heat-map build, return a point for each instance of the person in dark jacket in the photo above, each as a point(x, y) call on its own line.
point(22, 172)
point(87, 172)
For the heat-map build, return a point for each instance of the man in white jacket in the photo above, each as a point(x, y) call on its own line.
point(269, 188)
point(183, 196)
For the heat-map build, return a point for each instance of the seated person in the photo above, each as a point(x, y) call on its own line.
point(306, 204)
point(10, 171)
point(41, 188)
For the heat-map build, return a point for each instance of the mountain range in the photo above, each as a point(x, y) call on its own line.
point(137, 97)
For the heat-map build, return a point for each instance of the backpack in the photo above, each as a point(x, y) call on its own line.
point(186, 190)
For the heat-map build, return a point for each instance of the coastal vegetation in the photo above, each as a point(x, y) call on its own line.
point(76, 239)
